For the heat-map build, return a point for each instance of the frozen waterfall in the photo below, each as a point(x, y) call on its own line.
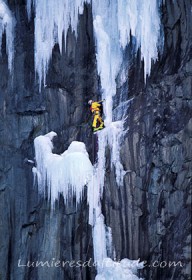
point(114, 22)
point(68, 174)
point(136, 17)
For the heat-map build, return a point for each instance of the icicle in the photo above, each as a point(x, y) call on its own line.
point(7, 25)
point(29, 4)
point(141, 19)
point(52, 20)
point(113, 23)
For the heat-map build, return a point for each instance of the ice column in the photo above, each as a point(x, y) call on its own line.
point(67, 173)
point(7, 25)
point(114, 21)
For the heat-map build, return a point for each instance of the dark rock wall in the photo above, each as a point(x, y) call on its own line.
point(28, 229)
point(150, 215)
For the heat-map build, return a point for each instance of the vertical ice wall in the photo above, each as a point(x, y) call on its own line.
point(114, 21)
point(52, 21)
point(7, 25)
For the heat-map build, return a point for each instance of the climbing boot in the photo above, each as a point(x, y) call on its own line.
point(98, 128)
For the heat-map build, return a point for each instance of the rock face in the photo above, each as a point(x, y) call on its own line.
point(29, 230)
point(150, 215)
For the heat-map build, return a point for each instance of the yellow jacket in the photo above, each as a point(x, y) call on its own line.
point(95, 106)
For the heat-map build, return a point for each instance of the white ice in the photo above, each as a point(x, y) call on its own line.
point(7, 25)
point(67, 173)
point(125, 269)
point(113, 23)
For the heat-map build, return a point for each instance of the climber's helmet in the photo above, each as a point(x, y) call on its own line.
point(90, 102)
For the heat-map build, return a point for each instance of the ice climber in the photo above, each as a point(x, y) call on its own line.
point(96, 109)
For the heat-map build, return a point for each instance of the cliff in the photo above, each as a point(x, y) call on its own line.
point(150, 214)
